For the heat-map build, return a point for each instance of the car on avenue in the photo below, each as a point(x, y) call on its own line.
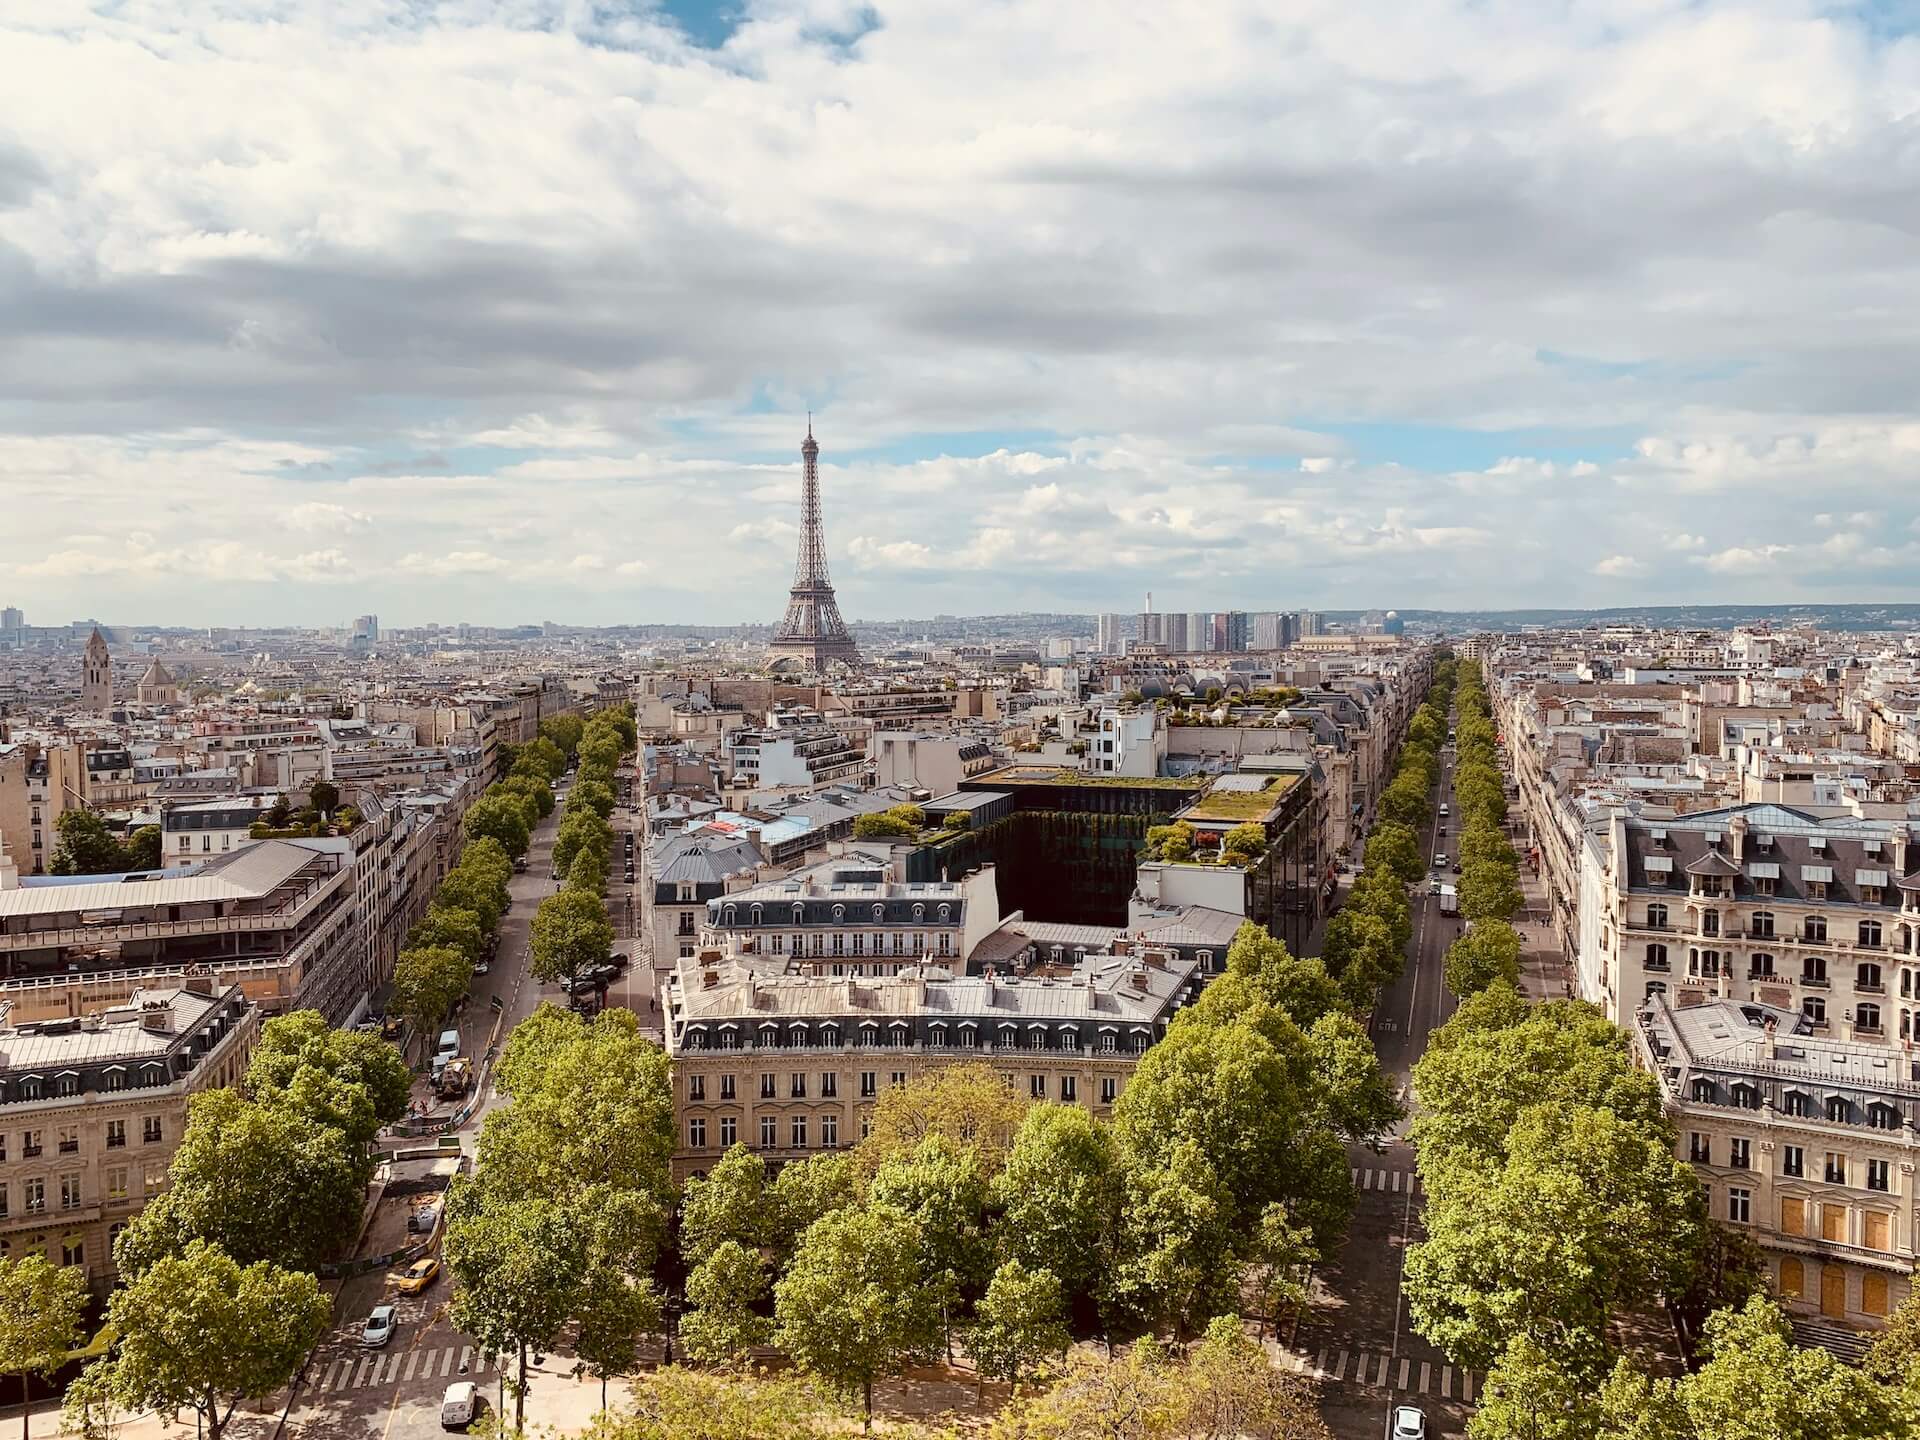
point(1408, 1423)
point(418, 1276)
point(380, 1327)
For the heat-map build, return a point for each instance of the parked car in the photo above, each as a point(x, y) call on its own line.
point(460, 1406)
point(422, 1218)
point(483, 967)
point(418, 1276)
point(1408, 1424)
point(380, 1327)
point(1439, 862)
point(520, 864)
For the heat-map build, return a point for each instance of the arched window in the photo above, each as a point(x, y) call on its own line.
point(753, 914)
point(727, 916)
point(1710, 922)
point(1704, 963)
point(937, 1035)
point(919, 913)
point(945, 913)
point(799, 912)
point(1867, 976)
point(1656, 916)
point(1866, 1017)
point(879, 913)
point(1762, 923)
point(1760, 966)
point(1814, 927)
point(1814, 968)
point(839, 912)
point(1657, 956)
point(1870, 932)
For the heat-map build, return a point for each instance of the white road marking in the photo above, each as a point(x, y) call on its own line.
point(1425, 1370)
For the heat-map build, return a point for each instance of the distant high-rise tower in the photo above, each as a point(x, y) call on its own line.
point(1109, 630)
point(812, 630)
point(96, 675)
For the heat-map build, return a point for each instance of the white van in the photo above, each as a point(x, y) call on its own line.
point(460, 1405)
point(448, 1047)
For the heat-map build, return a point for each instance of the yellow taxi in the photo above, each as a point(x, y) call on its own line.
point(418, 1276)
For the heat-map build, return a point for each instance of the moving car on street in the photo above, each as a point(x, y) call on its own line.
point(1407, 1423)
point(379, 1327)
point(418, 1276)
point(460, 1405)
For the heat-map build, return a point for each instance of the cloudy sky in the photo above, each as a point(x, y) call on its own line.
point(503, 310)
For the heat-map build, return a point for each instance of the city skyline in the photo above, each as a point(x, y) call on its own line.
point(1421, 325)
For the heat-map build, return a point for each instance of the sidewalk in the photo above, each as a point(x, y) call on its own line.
point(1544, 972)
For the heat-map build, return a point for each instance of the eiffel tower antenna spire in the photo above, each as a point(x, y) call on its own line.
point(812, 630)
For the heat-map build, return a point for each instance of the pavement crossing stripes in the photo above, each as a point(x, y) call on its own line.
point(1376, 1370)
point(355, 1372)
point(1395, 1182)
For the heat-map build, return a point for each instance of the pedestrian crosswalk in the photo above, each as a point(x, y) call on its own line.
point(1383, 1371)
point(386, 1367)
point(1391, 1182)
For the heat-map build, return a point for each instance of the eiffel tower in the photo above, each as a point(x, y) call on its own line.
point(812, 630)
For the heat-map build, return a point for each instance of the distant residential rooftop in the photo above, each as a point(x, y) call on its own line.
point(1018, 774)
point(1237, 798)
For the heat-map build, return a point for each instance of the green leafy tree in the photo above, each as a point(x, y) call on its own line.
point(547, 755)
point(676, 1404)
point(581, 833)
point(84, 846)
point(724, 1290)
point(1529, 1395)
point(1277, 1264)
point(427, 982)
point(143, 849)
point(588, 875)
point(1397, 849)
point(1246, 839)
point(729, 1204)
point(530, 787)
point(563, 731)
point(1404, 802)
point(1229, 1388)
point(324, 796)
point(1179, 1242)
point(445, 927)
point(199, 1329)
point(971, 1104)
point(802, 1193)
point(1489, 892)
point(280, 812)
point(1487, 954)
point(851, 1308)
point(474, 891)
point(259, 1181)
point(355, 1083)
point(592, 795)
point(570, 931)
point(499, 817)
point(882, 825)
point(616, 1303)
point(1059, 1197)
point(42, 1307)
point(939, 1186)
point(520, 1267)
point(1020, 1322)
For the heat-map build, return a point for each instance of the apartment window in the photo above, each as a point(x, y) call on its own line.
point(150, 1130)
point(1037, 1086)
point(839, 943)
point(1740, 1154)
point(153, 1181)
point(946, 942)
point(1704, 962)
point(1710, 923)
point(830, 1131)
point(117, 1182)
point(729, 1131)
point(1878, 1177)
point(3, 1148)
point(726, 1087)
point(768, 1137)
point(779, 943)
point(1867, 1017)
point(1760, 967)
point(897, 1078)
point(1109, 1042)
point(30, 1143)
point(33, 1195)
point(1870, 935)
point(799, 1132)
point(1763, 885)
point(1815, 927)
point(1739, 1205)
point(829, 1086)
point(1815, 1009)
point(767, 1091)
point(697, 1133)
point(4, 1193)
point(1836, 1168)
point(696, 1087)
point(73, 1252)
point(1108, 1088)
point(866, 1125)
point(1656, 917)
point(1699, 1148)
point(1657, 957)
point(1069, 1091)
point(1762, 924)
point(869, 1085)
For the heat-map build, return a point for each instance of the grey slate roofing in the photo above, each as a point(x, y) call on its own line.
point(1727, 1040)
point(702, 858)
point(246, 874)
point(1782, 845)
point(119, 1037)
point(1194, 926)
